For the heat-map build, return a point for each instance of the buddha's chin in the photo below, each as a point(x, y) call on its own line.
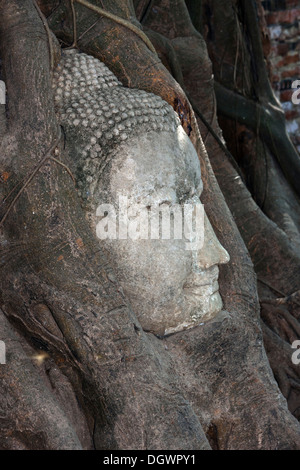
point(206, 309)
point(215, 305)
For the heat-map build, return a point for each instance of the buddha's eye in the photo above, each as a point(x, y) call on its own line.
point(166, 202)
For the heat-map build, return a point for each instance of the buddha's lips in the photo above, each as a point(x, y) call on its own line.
point(203, 284)
point(202, 291)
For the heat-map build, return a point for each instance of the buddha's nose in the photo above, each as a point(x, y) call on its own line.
point(212, 252)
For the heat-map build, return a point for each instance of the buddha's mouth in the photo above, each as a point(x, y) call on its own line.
point(204, 290)
point(203, 283)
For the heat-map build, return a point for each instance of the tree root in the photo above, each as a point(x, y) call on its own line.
point(293, 298)
point(30, 178)
point(121, 21)
point(270, 126)
point(280, 356)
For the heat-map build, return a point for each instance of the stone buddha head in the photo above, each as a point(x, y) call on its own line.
point(135, 165)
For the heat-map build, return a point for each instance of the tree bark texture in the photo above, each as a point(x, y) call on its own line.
point(81, 372)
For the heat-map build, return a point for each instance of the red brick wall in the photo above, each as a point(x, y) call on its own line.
point(283, 20)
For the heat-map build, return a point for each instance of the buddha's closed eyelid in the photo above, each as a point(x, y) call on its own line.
point(167, 202)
